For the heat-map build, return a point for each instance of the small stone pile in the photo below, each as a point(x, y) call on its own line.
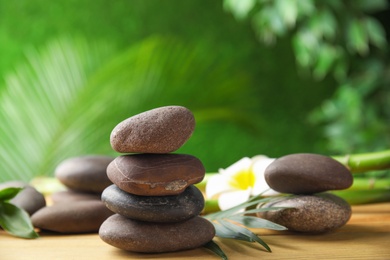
point(79, 208)
point(308, 176)
point(153, 194)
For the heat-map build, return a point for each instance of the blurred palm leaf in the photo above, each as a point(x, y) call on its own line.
point(67, 97)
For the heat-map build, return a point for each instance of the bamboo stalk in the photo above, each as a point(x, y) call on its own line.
point(359, 163)
point(356, 197)
point(360, 184)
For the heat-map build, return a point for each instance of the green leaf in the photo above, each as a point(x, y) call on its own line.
point(240, 8)
point(269, 24)
point(327, 56)
point(341, 68)
point(372, 5)
point(305, 46)
point(226, 213)
point(252, 211)
point(288, 10)
point(8, 193)
point(376, 32)
point(255, 222)
point(245, 232)
point(16, 221)
point(305, 7)
point(224, 232)
point(324, 24)
point(214, 247)
point(357, 38)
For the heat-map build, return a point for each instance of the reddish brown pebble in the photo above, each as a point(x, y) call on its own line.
point(72, 217)
point(149, 237)
point(160, 130)
point(155, 174)
point(307, 174)
point(318, 213)
point(85, 173)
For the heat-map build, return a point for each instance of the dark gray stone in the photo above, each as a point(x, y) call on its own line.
point(307, 174)
point(28, 199)
point(160, 130)
point(156, 208)
point(149, 237)
point(85, 173)
point(155, 174)
point(72, 217)
point(318, 213)
point(69, 196)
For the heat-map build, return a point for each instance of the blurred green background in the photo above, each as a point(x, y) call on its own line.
point(262, 77)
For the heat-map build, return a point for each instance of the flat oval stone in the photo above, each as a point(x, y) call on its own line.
point(156, 208)
point(160, 130)
point(28, 199)
point(318, 213)
point(155, 174)
point(149, 237)
point(307, 174)
point(85, 173)
point(70, 195)
point(72, 217)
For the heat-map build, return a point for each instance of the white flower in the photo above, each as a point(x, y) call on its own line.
point(235, 184)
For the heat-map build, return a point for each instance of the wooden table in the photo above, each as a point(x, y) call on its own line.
point(366, 236)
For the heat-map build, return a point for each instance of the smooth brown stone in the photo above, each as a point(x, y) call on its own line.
point(28, 199)
point(155, 174)
point(69, 196)
point(175, 208)
point(85, 173)
point(72, 217)
point(149, 237)
point(160, 130)
point(307, 174)
point(318, 213)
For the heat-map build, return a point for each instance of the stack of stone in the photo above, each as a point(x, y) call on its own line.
point(153, 194)
point(79, 208)
point(308, 176)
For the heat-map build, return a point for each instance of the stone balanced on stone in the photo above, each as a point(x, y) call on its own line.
point(308, 177)
point(153, 194)
point(78, 209)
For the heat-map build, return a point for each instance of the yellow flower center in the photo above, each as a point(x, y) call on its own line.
point(243, 179)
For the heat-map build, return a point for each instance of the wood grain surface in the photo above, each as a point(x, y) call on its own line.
point(366, 236)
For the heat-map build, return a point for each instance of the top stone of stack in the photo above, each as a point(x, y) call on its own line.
point(160, 130)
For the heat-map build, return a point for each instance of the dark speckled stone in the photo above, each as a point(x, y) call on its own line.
point(307, 174)
point(156, 208)
point(318, 213)
point(160, 130)
point(149, 237)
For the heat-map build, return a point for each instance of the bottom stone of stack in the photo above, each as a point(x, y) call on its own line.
point(149, 237)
